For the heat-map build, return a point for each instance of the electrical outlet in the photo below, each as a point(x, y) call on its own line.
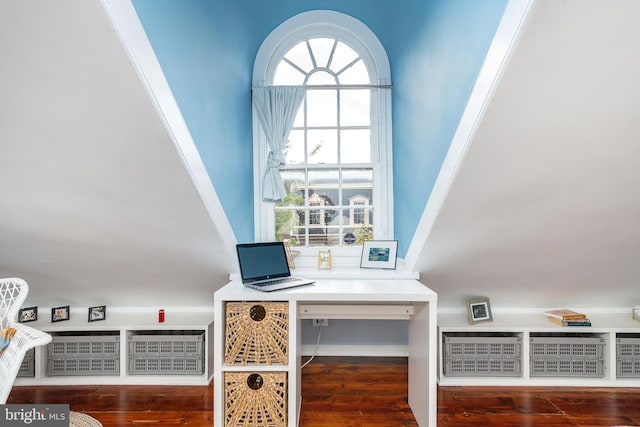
point(320, 322)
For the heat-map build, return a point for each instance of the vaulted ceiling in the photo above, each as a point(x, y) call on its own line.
point(96, 200)
point(545, 209)
point(98, 204)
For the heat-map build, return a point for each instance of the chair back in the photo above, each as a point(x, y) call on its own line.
point(13, 292)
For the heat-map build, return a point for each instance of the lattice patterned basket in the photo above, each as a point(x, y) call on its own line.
point(256, 333)
point(255, 399)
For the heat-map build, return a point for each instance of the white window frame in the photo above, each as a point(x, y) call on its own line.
point(325, 23)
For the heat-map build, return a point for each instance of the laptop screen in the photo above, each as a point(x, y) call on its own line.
point(260, 261)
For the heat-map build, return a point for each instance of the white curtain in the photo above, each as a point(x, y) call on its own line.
point(276, 107)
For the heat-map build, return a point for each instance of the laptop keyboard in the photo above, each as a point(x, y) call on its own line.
point(277, 281)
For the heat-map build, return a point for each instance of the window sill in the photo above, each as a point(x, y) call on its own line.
point(348, 273)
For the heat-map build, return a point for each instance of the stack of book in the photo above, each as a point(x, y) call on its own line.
point(566, 317)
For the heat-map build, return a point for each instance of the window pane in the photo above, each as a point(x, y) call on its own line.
point(294, 185)
point(358, 213)
point(361, 231)
point(294, 153)
point(357, 185)
point(317, 237)
point(320, 78)
point(356, 74)
point(321, 49)
point(314, 216)
point(355, 108)
point(342, 57)
point(323, 187)
point(320, 216)
point(289, 224)
point(355, 146)
point(287, 75)
point(322, 146)
point(298, 122)
point(322, 107)
point(333, 236)
point(299, 55)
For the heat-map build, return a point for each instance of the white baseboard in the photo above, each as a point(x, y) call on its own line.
point(356, 350)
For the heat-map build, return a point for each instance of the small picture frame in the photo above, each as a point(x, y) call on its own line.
point(98, 312)
point(379, 254)
point(479, 310)
point(59, 314)
point(28, 314)
point(324, 260)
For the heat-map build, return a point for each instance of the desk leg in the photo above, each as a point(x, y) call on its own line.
point(218, 356)
point(423, 363)
point(295, 371)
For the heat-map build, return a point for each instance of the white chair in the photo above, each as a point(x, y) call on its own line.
point(13, 292)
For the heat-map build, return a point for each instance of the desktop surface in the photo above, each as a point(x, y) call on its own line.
point(337, 290)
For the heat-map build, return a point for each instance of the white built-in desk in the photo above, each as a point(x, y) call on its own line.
point(381, 297)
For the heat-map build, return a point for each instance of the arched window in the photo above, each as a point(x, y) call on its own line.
point(338, 155)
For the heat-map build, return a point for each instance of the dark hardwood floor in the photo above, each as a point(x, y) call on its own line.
point(350, 392)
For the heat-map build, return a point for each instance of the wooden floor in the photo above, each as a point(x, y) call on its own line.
point(350, 392)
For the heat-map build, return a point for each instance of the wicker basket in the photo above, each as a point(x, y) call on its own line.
point(257, 333)
point(255, 399)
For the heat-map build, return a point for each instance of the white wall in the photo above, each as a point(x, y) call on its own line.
point(543, 211)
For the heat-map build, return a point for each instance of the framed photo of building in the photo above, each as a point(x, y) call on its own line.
point(379, 254)
point(479, 310)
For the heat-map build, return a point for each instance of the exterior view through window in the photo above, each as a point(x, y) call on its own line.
point(329, 171)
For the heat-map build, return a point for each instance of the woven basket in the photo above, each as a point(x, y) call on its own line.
point(255, 399)
point(257, 333)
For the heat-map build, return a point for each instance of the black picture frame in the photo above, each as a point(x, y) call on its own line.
point(97, 313)
point(28, 314)
point(58, 314)
point(479, 310)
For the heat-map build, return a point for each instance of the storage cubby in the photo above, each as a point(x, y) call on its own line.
point(166, 352)
point(566, 355)
point(28, 366)
point(255, 399)
point(605, 354)
point(126, 348)
point(84, 353)
point(256, 336)
point(628, 355)
point(256, 333)
point(482, 354)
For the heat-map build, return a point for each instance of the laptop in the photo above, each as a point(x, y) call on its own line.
point(264, 266)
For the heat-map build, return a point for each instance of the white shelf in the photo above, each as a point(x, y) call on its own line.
point(123, 323)
point(125, 320)
point(526, 325)
point(348, 273)
point(509, 322)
